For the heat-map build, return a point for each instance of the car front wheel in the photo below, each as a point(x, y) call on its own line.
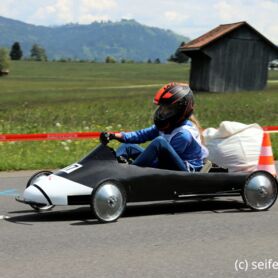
point(32, 180)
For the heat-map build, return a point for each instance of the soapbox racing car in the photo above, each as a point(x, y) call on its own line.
point(105, 184)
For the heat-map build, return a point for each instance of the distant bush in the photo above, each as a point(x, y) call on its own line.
point(4, 61)
point(38, 53)
point(63, 60)
point(110, 59)
point(273, 64)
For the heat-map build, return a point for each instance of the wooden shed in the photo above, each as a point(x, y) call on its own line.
point(231, 57)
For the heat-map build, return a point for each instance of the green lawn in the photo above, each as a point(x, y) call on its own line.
point(62, 97)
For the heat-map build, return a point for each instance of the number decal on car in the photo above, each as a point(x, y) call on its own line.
point(71, 168)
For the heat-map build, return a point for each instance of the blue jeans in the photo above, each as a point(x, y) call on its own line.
point(158, 154)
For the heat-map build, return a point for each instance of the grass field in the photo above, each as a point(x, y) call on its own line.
point(62, 97)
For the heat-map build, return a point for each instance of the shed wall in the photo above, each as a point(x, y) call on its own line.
point(199, 73)
point(237, 61)
point(238, 65)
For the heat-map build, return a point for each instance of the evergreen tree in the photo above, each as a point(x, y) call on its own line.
point(38, 53)
point(16, 52)
point(157, 61)
point(4, 61)
point(179, 56)
point(172, 58)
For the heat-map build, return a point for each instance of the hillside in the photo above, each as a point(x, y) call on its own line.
point(126, 39)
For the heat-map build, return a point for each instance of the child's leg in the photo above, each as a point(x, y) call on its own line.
point(129, 151)
point(160, 154)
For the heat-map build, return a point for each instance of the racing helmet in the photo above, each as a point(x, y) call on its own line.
point(175, 104)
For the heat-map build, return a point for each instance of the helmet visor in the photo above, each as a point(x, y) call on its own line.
point(165, 112)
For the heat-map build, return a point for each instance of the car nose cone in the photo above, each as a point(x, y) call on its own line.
point(34, 194)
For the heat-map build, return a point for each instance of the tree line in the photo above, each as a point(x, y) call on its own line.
point(38, 53)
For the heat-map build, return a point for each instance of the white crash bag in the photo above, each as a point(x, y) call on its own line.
point(234, 146)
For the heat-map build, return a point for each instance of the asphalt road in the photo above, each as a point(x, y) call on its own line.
point(191, 239)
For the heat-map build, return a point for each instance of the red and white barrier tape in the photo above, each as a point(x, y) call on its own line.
point(270, 128)
point(48, 136)
point(72, 135)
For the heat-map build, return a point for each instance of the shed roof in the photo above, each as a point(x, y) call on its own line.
point(217, 33)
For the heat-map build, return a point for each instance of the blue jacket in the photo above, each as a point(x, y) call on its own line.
point(183, 142)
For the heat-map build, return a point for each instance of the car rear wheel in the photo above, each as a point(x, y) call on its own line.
point(108, 201)
point(260, 191)
point(32, 180)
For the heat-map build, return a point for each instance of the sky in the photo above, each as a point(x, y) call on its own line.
point(190, 18)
